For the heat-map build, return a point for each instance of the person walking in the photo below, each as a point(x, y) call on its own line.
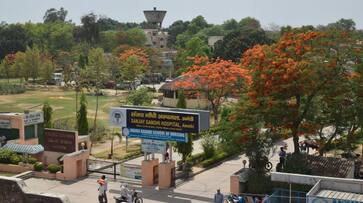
point(101, 191)
point(105, 184)
point(282, 155)
point(218, 197)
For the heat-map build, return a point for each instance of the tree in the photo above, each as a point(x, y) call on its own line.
point(289, 77)
point(178, 27)
point(82, 122)
point(32, 64)
point(90, 31)
point(343, 24)
point(236, 42)
point(48, 111)
point(53, 15)
point(6, 66)
point(95, 71)
point(13, 38)
point(182, 103)
point(134, 62)
point(194, 47)
point(216, 80)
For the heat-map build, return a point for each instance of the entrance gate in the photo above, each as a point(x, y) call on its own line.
point(103, 167)
point(156, 174)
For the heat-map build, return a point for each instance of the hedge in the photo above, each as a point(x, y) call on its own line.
point(54, 168)
point(5, 156)
point(11, 89)
point(38, 166)
point(15, 159)
point(219, 156)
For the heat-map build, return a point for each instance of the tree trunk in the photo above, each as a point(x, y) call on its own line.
point(76, 107)
point(295, 136)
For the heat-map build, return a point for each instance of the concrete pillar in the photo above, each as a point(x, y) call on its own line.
point(147, 172)
point(234, 184)
point(165, 174)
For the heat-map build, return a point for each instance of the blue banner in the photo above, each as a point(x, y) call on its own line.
point(155, 134)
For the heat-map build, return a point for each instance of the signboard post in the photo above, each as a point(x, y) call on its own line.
point(32, 118)
point(153, 146)
point(5, 124)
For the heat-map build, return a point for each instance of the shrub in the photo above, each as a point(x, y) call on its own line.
point(11, 89)
point(54, 168)
point(208, 143)
point(15, 159)
point(141, 96)
point(215, 159)
point(32, 160)
point(5, 156)
point(38, 166)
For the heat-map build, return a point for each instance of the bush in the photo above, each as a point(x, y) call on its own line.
point(15, 159)
point(215, 159)
point(5, 156)
point(208, 143)
point(54, 168)
point(11, 89)
point(141, 96)
point(38, 166)
point(32, 160)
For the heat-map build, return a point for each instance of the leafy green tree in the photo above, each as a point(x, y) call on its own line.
point(230, 25)
point(95, 72)
point(343, 24)
point(32, 64)
point(178, 27)
point(236, 42)
point(13, 38)
point(48, 111)
point(182, 103)
point(90, 31)
point(82, 122)
point(185, 149)
point(53, 15)
point(194, 47)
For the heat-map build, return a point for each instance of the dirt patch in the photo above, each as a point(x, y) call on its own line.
point(61, 97)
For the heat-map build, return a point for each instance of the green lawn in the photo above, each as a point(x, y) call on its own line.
point(62, 102)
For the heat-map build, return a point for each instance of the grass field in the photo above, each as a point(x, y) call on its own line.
point(7, 174)
point(62, 102)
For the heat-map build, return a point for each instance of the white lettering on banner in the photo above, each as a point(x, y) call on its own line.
point(5, 124)
point(32, 118)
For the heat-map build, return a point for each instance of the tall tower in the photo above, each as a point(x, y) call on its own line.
point(155, 17)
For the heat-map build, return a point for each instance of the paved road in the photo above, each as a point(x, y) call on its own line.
point(199, 189)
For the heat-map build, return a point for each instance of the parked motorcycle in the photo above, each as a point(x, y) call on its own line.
point(232, 198)
point(127, 194)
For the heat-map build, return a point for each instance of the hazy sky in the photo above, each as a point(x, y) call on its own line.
point(281, 12)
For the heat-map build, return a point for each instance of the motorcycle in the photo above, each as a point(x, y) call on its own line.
point(232, 198)
point(134, 195)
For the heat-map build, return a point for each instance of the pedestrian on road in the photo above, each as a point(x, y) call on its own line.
point(282, 156)
point(101, 191)
point(106, 187)
point(218, 197)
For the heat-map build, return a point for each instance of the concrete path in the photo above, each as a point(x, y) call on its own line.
point(200, 188)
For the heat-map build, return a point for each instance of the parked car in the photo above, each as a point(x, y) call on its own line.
point(110, 84)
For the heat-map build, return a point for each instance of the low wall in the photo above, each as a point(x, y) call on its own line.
point(9, 168)
point(13, 190)
point(191, 103)
point(45, 175)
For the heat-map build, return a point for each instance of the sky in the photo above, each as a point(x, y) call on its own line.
point(280, 12)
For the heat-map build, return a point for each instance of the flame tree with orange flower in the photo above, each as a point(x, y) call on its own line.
point(134, 62)
point(290, 76)
point(216, 80)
